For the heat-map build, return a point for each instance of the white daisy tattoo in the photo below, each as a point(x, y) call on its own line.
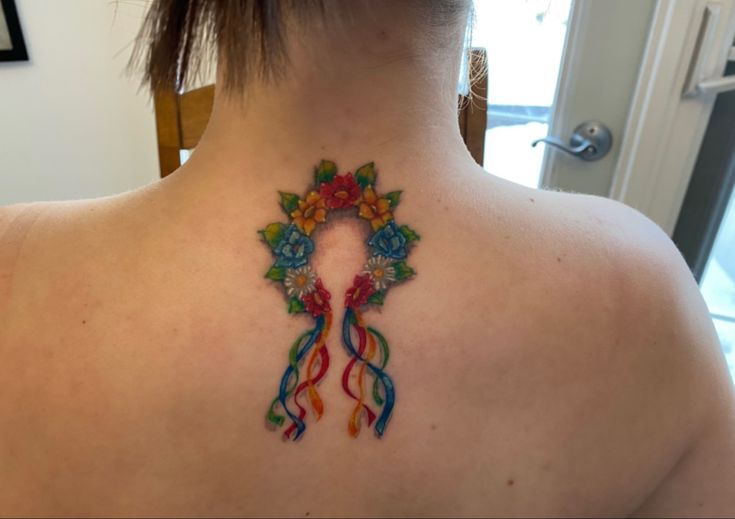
point(299, 281)
point(381, 272)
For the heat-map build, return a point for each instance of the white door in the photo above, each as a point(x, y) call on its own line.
point(555, 64)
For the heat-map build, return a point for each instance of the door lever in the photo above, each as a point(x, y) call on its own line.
point(591, 140)
point(694, 84)
point(585, 147)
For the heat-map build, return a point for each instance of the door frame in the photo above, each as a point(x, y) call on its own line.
point(710, 188)
point(664, 130)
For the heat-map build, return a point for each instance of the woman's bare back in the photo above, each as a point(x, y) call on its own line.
point(551, 357)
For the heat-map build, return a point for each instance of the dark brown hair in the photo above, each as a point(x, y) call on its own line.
point(179, 38)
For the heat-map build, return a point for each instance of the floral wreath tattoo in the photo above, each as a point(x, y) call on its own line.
point(292, 246)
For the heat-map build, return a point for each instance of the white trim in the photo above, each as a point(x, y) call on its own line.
point(664, 131)
point(564, 96)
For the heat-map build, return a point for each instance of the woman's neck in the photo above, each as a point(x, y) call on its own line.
point(385, 101)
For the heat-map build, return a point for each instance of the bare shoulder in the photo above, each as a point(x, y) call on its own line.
point(688, 369)
point(596, 303)
point(653, 336)
point(8, 213)
point(16, 224)
point(22, 222)
point(36, 239)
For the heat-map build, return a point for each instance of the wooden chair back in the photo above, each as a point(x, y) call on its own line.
point(182, 117)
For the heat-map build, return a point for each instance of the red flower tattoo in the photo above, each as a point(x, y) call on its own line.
point(361, 289)
point(342, 191)
point(317, 302)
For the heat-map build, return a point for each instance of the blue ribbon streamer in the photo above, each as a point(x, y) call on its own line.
point(283, 390)
point(390, 394)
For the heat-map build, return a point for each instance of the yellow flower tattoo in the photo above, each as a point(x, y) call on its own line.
point(311, 211)
point(375, 209)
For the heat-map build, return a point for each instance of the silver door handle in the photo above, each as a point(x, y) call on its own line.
point(694, 85)
point(715, 86)
point(591, 140)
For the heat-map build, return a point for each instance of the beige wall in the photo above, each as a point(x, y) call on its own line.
point(71, 124)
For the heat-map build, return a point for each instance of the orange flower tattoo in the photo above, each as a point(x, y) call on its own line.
point(311, 211)
point(375, 209)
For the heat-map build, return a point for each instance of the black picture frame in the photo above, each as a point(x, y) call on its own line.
point(18, 51)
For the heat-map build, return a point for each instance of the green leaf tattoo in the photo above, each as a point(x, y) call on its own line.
point(295, 305)
point(276, 273)
point(365, 175)
point(409, 233)
point(377, 298)
point(289, 202)
point(273, 233)
point(325, 172)
point(403, 271)
point(394, 197)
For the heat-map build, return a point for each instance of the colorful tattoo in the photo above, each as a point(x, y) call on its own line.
point(292, 246)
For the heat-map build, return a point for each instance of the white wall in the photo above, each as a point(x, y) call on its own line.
point(72, 125)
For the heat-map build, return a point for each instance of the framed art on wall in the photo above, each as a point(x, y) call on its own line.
point(12, 46)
